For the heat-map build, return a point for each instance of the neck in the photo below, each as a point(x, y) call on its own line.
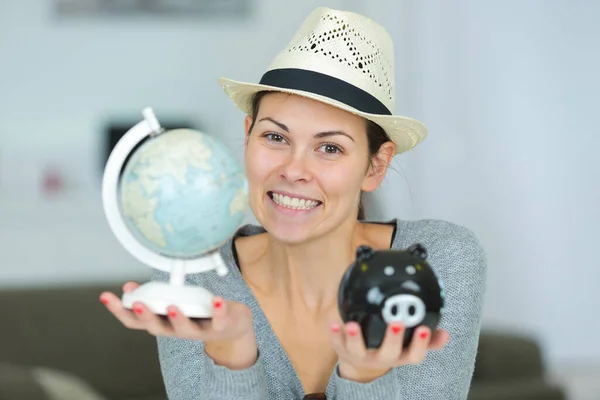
point(309, 274)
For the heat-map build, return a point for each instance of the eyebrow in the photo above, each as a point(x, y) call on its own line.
point(319, 135)
point(279, 124)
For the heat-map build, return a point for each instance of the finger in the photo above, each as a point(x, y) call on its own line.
point(130, 286)
point(183, 326)
point(439, 340)
point(151, 322)
point(355, 345)
point(338, 339)
point(124, 315)
point(418, 347)
point(391, 348)
point(219, 314)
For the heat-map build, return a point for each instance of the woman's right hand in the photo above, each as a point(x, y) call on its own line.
point(231, 322)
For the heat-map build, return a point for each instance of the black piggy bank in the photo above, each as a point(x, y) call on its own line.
point(387, 286)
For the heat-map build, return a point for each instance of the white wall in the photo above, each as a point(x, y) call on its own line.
point(506, 88)
point(510, 92)
point(60, 82)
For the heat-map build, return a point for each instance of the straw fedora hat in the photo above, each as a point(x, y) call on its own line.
point(343, 59)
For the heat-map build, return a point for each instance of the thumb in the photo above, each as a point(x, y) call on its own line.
point(130, 286)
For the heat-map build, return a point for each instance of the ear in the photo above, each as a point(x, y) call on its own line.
point(418, 250)
point(378, 167)
point(363, 253)
point(247, 124)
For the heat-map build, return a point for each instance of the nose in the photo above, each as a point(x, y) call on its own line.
point(296, 168)
point(405, 308)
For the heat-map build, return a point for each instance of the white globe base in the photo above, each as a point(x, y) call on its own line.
point(193, 301)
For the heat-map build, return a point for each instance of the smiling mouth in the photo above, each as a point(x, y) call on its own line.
point(293, 203)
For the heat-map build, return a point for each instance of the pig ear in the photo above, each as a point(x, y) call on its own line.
point(363, 253)
point(418, 250)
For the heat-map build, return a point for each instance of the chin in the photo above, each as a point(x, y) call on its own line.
point(288, 232)
point(289, 235)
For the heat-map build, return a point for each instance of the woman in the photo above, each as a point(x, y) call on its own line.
point(319, 132)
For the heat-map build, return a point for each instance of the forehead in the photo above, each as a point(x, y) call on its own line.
point(293, 107)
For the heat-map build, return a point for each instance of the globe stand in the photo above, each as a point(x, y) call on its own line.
point(193, 301)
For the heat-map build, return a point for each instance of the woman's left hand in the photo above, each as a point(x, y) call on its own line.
point(358, 363)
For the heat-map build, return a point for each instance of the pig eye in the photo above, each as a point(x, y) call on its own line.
point(389, 270)
point(411, 270)
point(374, 296)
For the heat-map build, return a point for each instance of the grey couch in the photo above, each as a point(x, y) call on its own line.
point(510, 366)
point(61, 344)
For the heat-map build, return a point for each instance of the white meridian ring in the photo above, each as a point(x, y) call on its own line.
point(110, 201)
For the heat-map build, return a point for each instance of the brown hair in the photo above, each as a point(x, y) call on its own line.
point(376, 136)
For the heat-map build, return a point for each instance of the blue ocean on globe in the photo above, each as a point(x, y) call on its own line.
point(183, 194)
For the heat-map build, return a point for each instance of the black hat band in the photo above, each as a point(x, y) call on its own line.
point(325, 85)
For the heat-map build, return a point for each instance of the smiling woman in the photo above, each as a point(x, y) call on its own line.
point(320, 130)
point(299, 150)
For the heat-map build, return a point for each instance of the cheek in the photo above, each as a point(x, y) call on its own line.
point(342, 180)
point(260, 163)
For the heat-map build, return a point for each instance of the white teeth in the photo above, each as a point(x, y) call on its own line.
point(294, 203)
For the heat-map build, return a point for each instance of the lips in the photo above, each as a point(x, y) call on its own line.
point(294, 202)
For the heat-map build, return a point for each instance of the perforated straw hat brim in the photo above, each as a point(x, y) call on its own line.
point(339, 58)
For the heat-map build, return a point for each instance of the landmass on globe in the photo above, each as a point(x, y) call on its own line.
point(183, 194)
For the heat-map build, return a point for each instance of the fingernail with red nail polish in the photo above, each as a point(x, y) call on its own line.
point(424, 335)
point(335, 328)
point(172, 314)
point(137, 309)
point(396, 329)
point(104, 300)
point(218, 303)
point(352, 332)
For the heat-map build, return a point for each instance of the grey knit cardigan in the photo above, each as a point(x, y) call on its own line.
point(457, 258)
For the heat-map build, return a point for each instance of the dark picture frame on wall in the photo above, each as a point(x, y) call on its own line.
point(152, 8)
point(115, 129)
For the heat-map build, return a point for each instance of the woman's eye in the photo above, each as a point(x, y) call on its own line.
point(331, 148)
point(274, 137)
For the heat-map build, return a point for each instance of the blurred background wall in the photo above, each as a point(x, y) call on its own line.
point(509, 90)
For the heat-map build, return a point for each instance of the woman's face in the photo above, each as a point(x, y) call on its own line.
point(306, 163)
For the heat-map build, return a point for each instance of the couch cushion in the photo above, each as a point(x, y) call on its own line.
point(68, 329)
point(507, 356)
point(64, 386)
point(22, 383)
point(19, 384)
point(525, 389)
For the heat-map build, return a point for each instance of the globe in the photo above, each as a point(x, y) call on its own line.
point(182, 194)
